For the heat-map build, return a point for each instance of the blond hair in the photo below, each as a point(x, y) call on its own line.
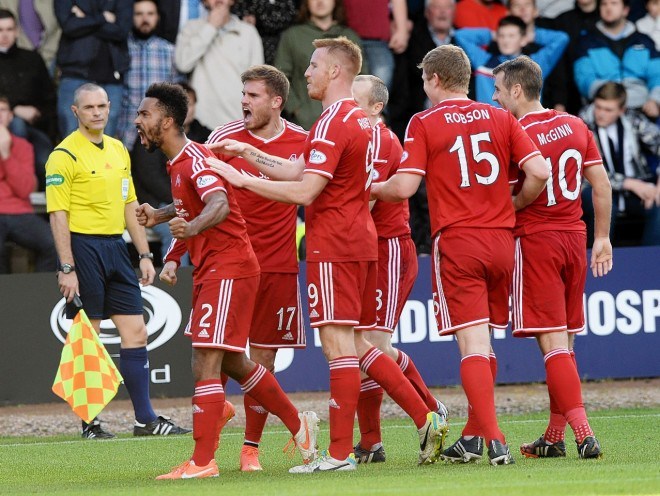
point(452, 66)
point(348, 53)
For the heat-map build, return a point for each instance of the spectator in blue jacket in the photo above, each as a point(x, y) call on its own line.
point(510, 41)
point(616, 51)
point(93, 49)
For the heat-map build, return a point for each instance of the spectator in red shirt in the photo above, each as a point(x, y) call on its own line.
point(18, 222)
point(479, 14)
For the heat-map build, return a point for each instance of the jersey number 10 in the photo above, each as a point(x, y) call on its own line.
point(563, 184)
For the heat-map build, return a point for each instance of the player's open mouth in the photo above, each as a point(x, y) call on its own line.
point(143, 139)
point(247, 115)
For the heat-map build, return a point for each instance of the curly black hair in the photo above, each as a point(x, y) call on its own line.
point(172, 99)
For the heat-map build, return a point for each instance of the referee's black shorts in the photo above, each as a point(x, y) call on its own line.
point(107, 281)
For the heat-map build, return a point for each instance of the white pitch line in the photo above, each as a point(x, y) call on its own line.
point(232, 434)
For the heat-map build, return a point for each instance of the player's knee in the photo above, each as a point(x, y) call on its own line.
point(264, 357)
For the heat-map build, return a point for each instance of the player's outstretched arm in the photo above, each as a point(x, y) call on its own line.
point(601, 252)
point(536, 177)
point(399, 187)
point(277, 168)
point(301, 192)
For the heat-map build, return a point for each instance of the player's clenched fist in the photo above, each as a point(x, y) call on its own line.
point(181, 229)
point(145, 214)
point(168, 274)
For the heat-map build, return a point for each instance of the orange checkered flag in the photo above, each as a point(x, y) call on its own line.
point(87, 378)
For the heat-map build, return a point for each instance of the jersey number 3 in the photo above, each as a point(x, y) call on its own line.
point(477, 156)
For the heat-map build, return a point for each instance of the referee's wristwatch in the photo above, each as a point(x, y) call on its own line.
point(149, 255)
point(66, 268)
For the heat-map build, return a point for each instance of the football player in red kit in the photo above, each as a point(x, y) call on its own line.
point(332, 180)
point(277, 321)
point(551, 259)
point(205, 214)
point(464, 149)
point(397, 271)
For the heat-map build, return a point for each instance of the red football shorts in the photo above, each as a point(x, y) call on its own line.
point(342, 293)
point(548, 282)
point(397, 271)
point(472, 270)
point(277, 321)
point(222, 313)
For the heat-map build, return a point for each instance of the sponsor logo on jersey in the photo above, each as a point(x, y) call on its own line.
point(203, 334)
point(54, 180)
point(204, 181)
point(404, 156)
point(288, 337)
point(161, 312)
point(313, 314)
point(364, 123)
point(317, 157)
point(293, 157)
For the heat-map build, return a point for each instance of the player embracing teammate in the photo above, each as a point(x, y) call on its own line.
point(464, 149)
point(551, 261)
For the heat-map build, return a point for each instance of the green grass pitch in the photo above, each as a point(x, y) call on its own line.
point(67, 465)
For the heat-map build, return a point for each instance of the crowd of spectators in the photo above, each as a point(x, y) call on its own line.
point(591, 51)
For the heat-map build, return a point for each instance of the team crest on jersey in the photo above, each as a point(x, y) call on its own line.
point(178, 180)
point(404, 156)
point(317, 157)
point(375, 175)
point(204, 181)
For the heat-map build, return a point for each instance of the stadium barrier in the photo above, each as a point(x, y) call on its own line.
point(621, 339)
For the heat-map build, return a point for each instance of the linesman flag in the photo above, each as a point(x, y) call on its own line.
point(87, 378)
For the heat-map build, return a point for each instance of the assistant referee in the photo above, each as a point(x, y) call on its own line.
point(91, 200)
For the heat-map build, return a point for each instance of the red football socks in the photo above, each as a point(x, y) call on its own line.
point(344, 393)
point(255, 419)
point(208, 403)
point(476, 377)
point(368, 413)
point(408, 368)
point(264, 388)
point(565, 388)
point(385, 372)
point(471, 426)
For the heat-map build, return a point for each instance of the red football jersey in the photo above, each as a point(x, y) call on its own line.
point(568, 147)
point(391, 219)
point(465, 149)
point(271, 225)
point(222, 251)
point(339, 225)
